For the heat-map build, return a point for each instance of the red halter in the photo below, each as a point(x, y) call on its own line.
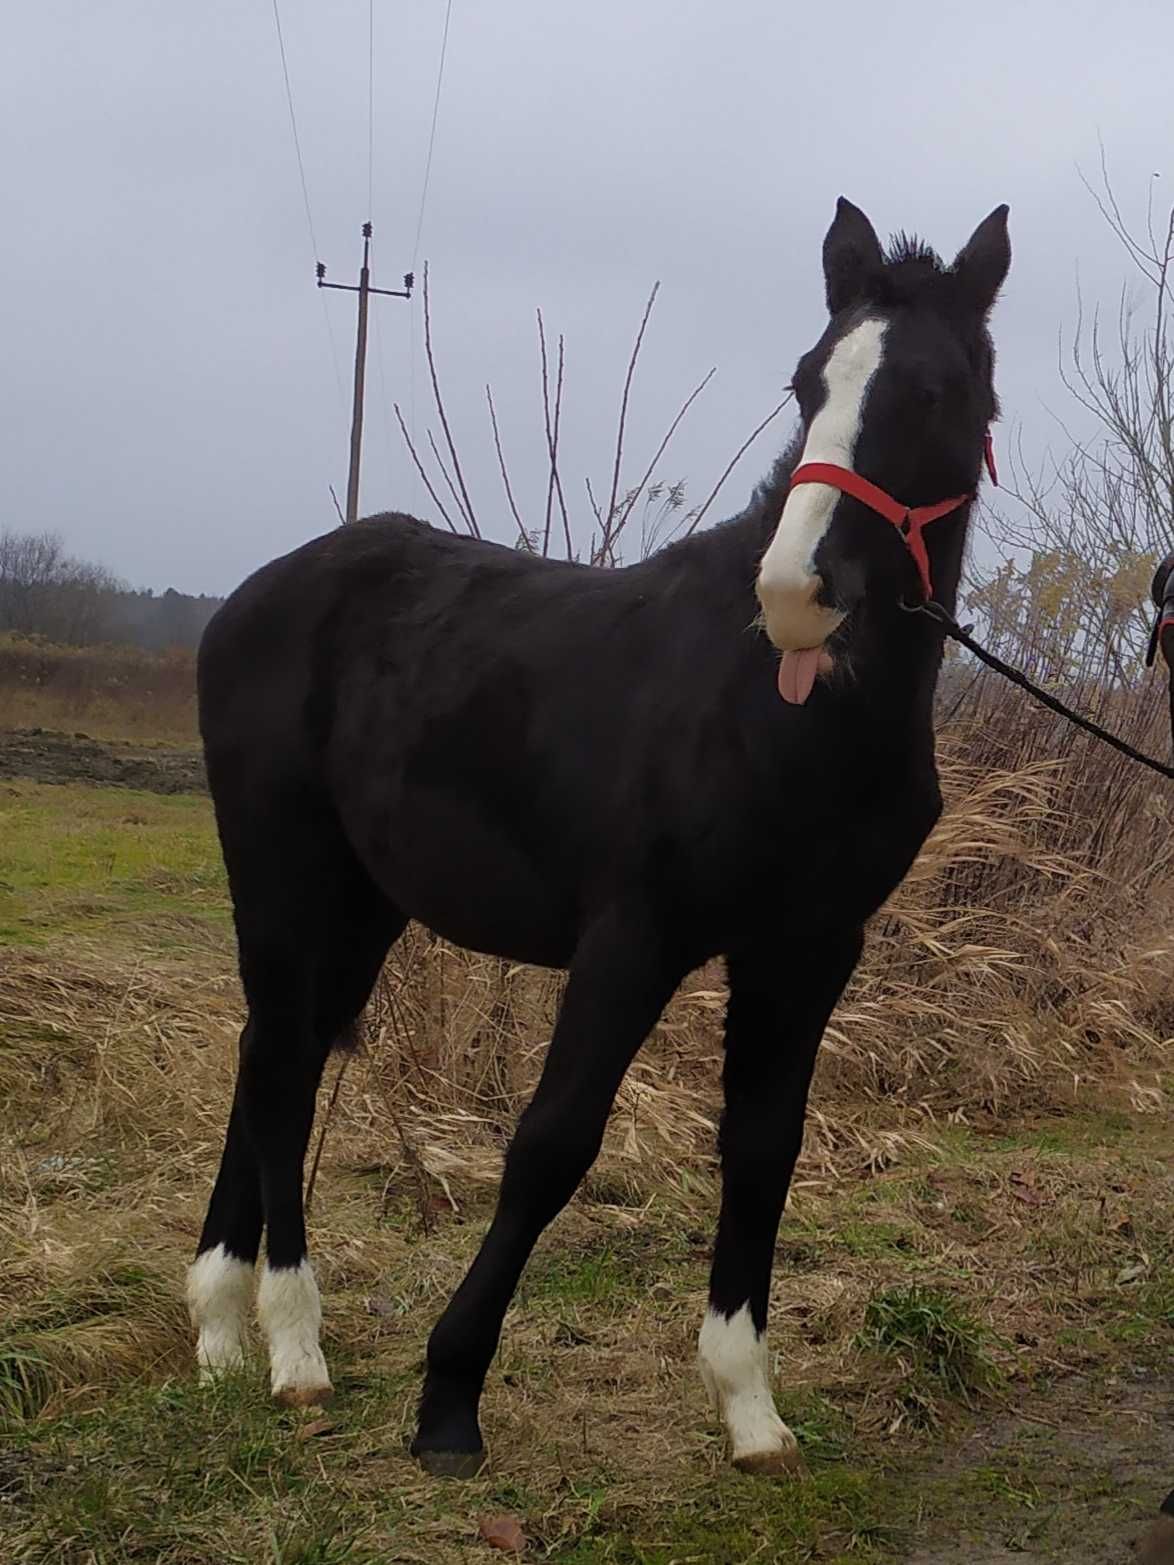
point(910, 521)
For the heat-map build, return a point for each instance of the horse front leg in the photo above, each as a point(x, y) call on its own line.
point(781, 997)
point(621, 978)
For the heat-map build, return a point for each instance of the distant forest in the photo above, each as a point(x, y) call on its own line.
point(44, 591)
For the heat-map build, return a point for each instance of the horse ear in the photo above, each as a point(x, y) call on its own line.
point(981, 264)
point(851, 256)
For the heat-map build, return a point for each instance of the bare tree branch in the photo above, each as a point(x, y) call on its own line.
point(505, 477)
point(444, 473)
point(594, 502)
point(630, 504)
point(554, 483)
point(733, 462)
point(465, 505)
point(436, 500)
point(619, 455)
point(1070, 603)
point(558, 477)
point(546, 425)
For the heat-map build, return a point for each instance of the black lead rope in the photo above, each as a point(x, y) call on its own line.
point(950, 625)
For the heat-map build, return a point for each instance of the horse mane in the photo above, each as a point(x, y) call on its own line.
point(912, 271)
point(905, 247)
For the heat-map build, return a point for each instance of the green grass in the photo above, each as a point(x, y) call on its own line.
point(98, 1327)
point(934, 1335)
point(180, 1473)
point(837, 1513)
point(877, 1238)
point(1082, 1130)
point(597, 1277)
point(80, 859)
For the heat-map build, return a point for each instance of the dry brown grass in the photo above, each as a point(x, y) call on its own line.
point(111, 692)
point(1007, 975)
point(980, 1123)
point(1027, 960)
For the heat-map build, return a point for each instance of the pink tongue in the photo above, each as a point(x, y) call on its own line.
point(797, 674)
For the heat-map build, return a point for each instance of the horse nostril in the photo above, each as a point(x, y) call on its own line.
point(843, 587)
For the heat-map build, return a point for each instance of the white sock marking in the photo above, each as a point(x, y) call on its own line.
point(733, 1362)
point(787, 580)
point(290, 1312)
point(219, 1291)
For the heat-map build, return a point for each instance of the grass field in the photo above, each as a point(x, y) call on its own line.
point(973, 1313)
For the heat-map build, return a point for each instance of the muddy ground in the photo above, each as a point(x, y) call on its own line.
point(46, 756)
point(1075, 1476)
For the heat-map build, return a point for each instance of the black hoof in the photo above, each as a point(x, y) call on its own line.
point(448, 1439)
point(452, 1464)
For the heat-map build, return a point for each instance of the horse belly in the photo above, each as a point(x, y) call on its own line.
point(451, 867)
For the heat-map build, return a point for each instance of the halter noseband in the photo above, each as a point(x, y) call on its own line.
point(910, 521)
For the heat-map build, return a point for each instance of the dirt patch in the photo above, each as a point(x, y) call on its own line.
point(44, 755)
point(1080, 1483)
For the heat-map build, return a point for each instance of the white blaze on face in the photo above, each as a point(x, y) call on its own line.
point(734, 1367)
point(787, 579)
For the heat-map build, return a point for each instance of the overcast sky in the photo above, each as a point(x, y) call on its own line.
point(169, 401)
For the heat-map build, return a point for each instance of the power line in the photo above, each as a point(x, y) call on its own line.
point(293, 124)
point(384, 422)
point(420, 230)
point(431, 134)
point(370, 108)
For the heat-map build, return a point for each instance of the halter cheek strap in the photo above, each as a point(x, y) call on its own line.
point(910, 521)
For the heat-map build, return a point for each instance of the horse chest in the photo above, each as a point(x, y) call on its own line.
point(825, 859)
point(863, 864)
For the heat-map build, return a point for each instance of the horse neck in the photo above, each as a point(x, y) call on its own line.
point(896, 653)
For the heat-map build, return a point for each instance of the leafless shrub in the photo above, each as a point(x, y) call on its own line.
point(1082, 534)
point(118, 692)
point(599, 537)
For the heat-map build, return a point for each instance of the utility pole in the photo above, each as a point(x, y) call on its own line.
point(364, 290)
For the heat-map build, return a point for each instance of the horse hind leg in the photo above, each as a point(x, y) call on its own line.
point(280, 1094)
point(220, 1279)
point(311, 947)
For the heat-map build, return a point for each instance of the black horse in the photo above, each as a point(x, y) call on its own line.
point(1157, 1547)
point(593, 769)
point(1162, 639)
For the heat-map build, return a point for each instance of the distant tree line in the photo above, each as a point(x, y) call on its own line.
point(44, 591)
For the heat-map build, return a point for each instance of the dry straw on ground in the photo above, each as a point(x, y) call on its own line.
point(1026, 964)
